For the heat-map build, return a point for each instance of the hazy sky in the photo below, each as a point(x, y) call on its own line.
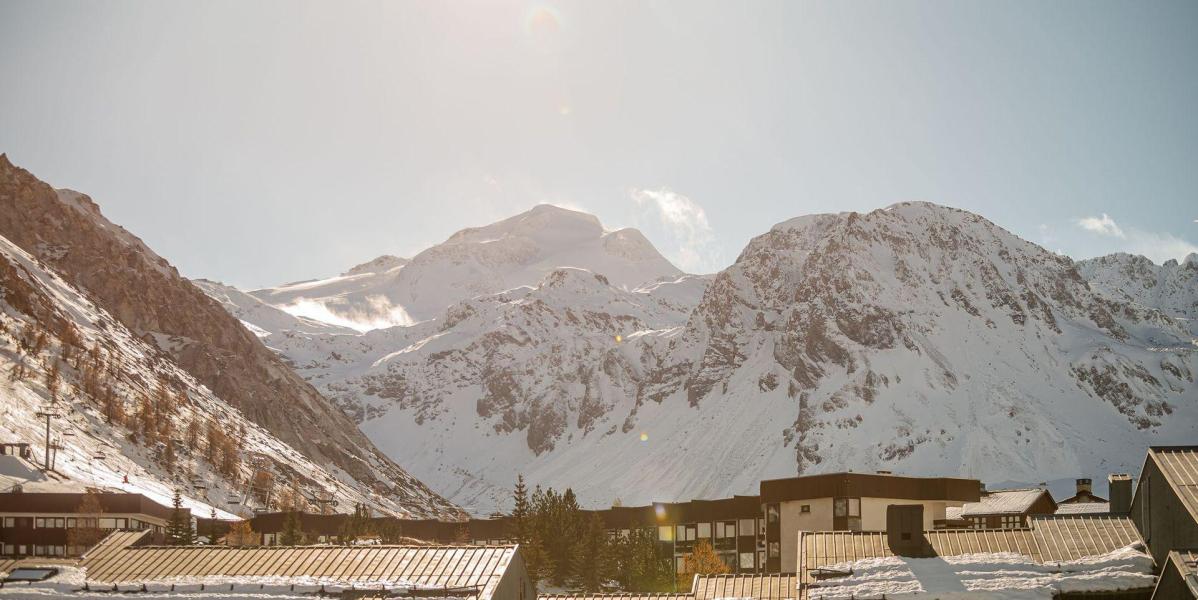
point(262, 142)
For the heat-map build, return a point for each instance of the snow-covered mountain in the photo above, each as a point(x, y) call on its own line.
point(517, 251)
point(795, 328)
point(916, 338)
point(127, 417)
point(1171, 288)
point(120, 276)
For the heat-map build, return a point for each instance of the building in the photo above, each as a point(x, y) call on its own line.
point(734, 527)
point(849, 502)
point(124, 562)
point(327, 529)
point(1084, 493)
point(1094, 556)
point(1165, 504)
point(38, 524)
point(1002, 509)
point(1179, 577)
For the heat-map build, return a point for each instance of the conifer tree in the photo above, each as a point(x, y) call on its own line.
point(590, 565)
point(178, 529)
point(521, 517)
point(293, 530)
point(357, 525)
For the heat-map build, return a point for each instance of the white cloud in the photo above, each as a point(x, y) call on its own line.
point(1103, 225)
point(1158, 247)
point(686, 222)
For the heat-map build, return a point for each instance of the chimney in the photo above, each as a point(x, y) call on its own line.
point(1084, 487)
point(904, 530)
point(1120, 493)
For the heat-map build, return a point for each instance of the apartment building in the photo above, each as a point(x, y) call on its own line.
point(735, 527)
point(1001, 509)
point(850, 502)
point(39, 524)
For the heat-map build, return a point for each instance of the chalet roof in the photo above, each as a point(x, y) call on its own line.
point(1179, 465)
point(1048, 539)
point(1003, 502)
point(761, 587)
point(468, 571)
point(1084, 508)
point(873, 485)
point(1186, 564)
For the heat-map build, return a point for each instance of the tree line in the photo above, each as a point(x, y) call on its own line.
point(566, 547)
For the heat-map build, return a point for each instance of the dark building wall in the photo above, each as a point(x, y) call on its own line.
point(1171, 586)
point(1159, 514)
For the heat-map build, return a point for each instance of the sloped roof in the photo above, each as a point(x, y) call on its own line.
point(761, 587)
point(1048, 539)
point(620, 596)
point(1003, 502)
point(1084, 508)
point(1179, 465)
point(471, 571)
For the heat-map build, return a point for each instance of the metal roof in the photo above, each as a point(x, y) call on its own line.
point(1179, 465)
point(1048, 539)
point(621, 596)
point(1084, 508)
point(1003, 502)
point(115, 561)
point(761, 587)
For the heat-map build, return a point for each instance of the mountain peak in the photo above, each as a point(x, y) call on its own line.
point(381, 264)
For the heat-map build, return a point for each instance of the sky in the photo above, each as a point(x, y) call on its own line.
point(263, 142)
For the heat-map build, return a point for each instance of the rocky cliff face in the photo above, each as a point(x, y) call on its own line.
point(1171, 288)
point(146, 294)
point(917, 338)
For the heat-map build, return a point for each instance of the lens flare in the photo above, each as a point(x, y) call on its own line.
point(542, 21)
point(644, 437)
point(619, 338)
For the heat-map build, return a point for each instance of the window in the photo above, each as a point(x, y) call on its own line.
point(107, 523)
point(685, 533)
point(10, 522)
point(746, 560)
point(704, 531)
point(748, 527)
point(775, 550)
point(680, 564)
point(771, 513)
point(9, 549)
point(665, 533)
point(979, 522)
point(806, 508)
point(31, 574)
point(725, 529)
point(846, 507)
point(1012, 521)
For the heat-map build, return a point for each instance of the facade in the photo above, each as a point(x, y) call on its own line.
point(825, 559)
point(1165, 505)
point(1002, 509)
point(123, 562)
point(1179, 577)
point(734, 527)
point(38, 524)
point(849, 502)
point(327, 529)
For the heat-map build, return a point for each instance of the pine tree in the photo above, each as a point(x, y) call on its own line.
point(293, 530)
point(178, 529)
point(520, 522)
point(357, 525)
point(590, 564)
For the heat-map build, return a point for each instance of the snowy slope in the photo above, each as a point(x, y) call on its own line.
point(260, 317)
point(918, 338)
point(96, 453)
point(517, 251)
point(1171, 288)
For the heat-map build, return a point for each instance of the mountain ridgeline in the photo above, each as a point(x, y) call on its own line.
point(66, 232)
point(917, 338)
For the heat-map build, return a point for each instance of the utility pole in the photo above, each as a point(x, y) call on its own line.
point(47, 416)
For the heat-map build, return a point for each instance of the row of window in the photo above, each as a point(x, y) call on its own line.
point(1005, 522)
point(40, 550)
point(734, 561)
point(79, 522)
point(705, 531)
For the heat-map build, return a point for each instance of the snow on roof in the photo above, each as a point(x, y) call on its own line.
point(1002, 502)
point(1006, 575)
point(1084, 508)
point(1048, 540)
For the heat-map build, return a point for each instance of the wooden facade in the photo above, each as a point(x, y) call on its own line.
point(1165, 505)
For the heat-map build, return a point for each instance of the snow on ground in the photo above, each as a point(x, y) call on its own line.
point(1004, 575)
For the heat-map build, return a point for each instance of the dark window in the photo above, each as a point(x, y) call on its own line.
point(806, 508)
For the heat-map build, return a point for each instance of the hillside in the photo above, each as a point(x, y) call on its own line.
point(917, 338)
point(143, 292)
